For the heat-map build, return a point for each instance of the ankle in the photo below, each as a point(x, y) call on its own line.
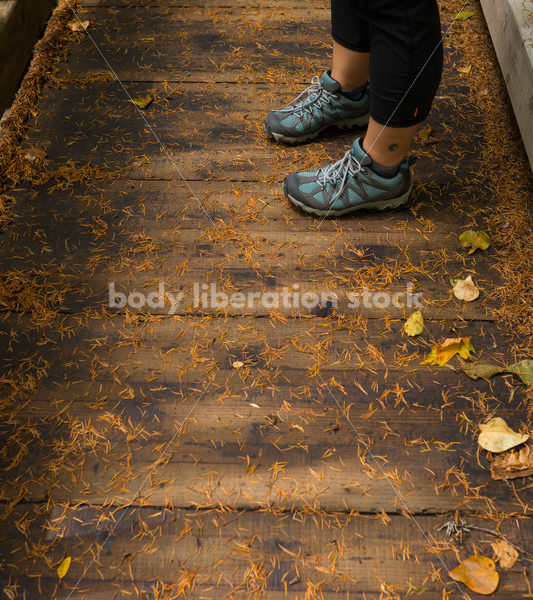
point(347, 80)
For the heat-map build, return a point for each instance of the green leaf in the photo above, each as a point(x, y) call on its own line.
point(464, 15)
point(414, 324)
point(524, 370)
point(143, 101)
point(481, 370)
point(474, 240)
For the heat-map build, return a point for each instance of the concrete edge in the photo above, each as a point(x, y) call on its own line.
point(510, 23)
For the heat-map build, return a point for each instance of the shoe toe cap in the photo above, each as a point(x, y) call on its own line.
point(273, 124)
point(291, 185)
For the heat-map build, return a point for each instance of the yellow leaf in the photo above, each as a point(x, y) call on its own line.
point(478, 573)
point(465, 289)
point(414, 324)
point(505, 553)
point(63, 567)
point(464, 15)
point(426, 136)
point(474, 240)
point(442, 353)
point(143, 101)
point(76, 25)
point(497, 436)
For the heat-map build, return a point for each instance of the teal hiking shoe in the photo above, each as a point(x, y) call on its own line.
point(318, 107)
point(349, 185)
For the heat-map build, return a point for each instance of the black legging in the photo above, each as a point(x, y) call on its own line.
point(404, 41)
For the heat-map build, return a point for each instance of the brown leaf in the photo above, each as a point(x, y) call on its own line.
point(478, 573)
point(505, 554)
point(513, 463)
point(481, 370)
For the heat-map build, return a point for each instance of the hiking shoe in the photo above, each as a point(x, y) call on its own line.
point(318, 107)
point(349, 185)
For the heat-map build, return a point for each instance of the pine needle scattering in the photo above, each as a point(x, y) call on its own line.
point(299, 469)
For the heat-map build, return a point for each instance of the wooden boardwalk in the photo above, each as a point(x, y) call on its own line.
point(277, 452)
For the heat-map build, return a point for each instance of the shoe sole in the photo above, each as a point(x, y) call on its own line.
point(361, 121)
point(381, 205)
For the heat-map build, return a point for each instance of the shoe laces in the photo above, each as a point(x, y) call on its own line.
point(313, 93)
point(347, 166)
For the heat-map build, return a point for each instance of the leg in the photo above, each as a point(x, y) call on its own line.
point(351, 45)
point(350, 68)
point(388, 145)
point(405, 71)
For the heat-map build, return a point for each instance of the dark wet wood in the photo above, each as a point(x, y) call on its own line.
point(328, 426)
point(149, 548)
point(273, 410)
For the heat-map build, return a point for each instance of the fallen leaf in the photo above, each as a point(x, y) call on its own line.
point(465, 289)
point(505, 554)
point(513, 463)
point(414, 324)
point(238, 364)
point(474, 240)
point(143, 101)
point(482, 370)
point(426, 136)
point(478, 573)
point(63, 567)
point(465, 70)
point(77, 25)
point(464, 15)
point(497, 436)
point(442, 353)
point(524, 370)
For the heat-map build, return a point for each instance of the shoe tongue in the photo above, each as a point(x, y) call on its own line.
point(328, 83)
point(359, 154)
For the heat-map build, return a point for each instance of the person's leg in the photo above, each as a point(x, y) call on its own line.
point(351, 45)
point(338, 98)
point(405, 72)
point(349, 67)
point(388, 145)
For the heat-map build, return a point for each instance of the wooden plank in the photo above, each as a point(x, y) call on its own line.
point(140, 235)
point(264, 554)
point(204, 42)
point(214, 133)
point(121, 392)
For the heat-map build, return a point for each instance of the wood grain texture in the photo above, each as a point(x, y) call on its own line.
point(243, 238)
point(127, 394)
point(213, 131)
point(274, 556)
point(238, 454)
